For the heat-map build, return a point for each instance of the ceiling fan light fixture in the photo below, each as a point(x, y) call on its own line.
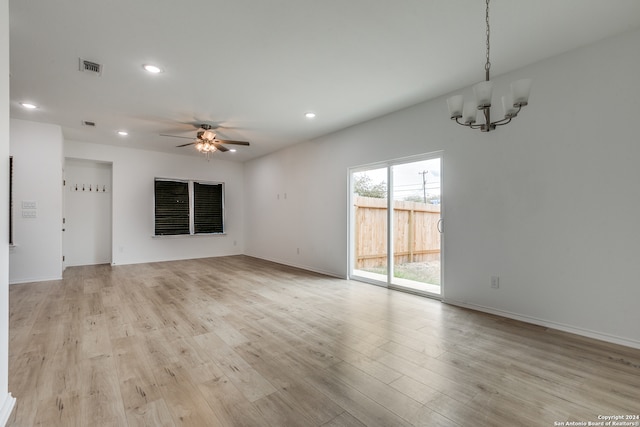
point(206, 141)
point(208, 135)
point(205, 147)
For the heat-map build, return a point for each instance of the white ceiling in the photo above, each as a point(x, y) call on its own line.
point(256, 66)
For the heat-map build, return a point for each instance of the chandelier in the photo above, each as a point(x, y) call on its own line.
point(512, 103)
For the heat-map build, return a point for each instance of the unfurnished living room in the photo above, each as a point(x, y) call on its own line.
point(319, 213)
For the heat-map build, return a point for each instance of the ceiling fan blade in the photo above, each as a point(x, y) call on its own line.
point(176, 136)
point(220, 147)
point(184, 145)
point(228, 141)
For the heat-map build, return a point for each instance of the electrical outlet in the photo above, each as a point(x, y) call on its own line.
point(495, 282)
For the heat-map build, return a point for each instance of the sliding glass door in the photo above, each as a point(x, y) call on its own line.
point(396, 225)
point(416, 196)
point(370, 246)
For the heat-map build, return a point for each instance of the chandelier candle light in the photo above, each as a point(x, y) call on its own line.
point(512, 103)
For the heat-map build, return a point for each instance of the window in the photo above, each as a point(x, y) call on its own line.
point(207, 208)
point(172, 208)
point(188, 207)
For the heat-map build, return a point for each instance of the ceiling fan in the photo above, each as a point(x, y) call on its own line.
point(206, 140)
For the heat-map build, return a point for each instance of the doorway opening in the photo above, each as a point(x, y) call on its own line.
point(87, 228)
point(396, 224)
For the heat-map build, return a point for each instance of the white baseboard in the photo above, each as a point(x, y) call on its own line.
point(549, 324)
point(6, 408)
point(301, 267)
point(34, 279)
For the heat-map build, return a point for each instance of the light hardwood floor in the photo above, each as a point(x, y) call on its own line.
point(237, 341)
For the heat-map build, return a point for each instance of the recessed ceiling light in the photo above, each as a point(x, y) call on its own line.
point(233, 150)
point(123, 133)
point(28, 105)
point(310, 115)
point(152, 68)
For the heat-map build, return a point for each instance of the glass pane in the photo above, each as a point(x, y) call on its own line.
point(171, 208)
point(416, 213)
point(207, 208)
point(370, 224)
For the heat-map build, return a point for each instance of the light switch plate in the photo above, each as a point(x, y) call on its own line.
point(29, 204)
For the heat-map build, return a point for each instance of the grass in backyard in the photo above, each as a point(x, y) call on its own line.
point(423, 272)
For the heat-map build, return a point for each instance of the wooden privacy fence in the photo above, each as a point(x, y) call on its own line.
point(415, 233)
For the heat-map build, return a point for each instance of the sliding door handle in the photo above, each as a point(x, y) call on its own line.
point(440, 225)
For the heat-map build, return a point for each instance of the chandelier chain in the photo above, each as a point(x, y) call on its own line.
point(487, 66)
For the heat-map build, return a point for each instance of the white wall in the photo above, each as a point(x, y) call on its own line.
point(296, 199)
point(6, 401)
point(549, 203)
point(132, 198)
point(37, 177)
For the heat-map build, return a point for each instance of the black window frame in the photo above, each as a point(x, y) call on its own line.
point(188, 207)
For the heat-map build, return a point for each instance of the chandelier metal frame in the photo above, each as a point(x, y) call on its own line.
point(465, 113)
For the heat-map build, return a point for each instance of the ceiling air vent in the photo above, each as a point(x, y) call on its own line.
point(90, 67)
point(88, 123)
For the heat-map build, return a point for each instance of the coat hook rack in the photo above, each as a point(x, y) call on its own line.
point(89, 187)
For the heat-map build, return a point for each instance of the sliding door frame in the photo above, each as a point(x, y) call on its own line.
point(390, 236)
